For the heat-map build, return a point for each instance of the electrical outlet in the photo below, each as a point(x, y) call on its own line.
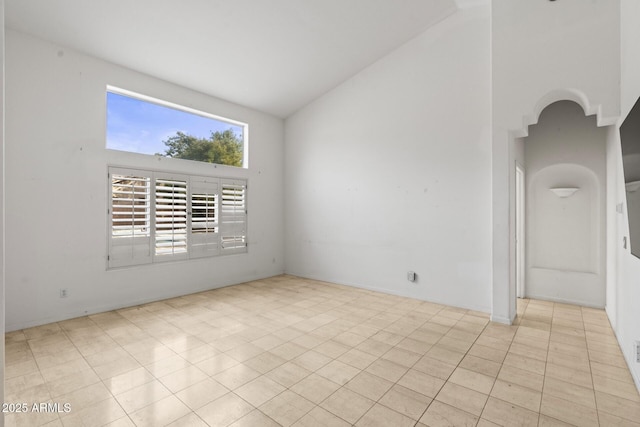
point(64, 293)
point(412, 276)
point(637, 345)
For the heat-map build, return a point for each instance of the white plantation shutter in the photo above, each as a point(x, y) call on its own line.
point(233, 215)
point(170, 217)
point(204, 231)
point(129, 217)
point(156, 216)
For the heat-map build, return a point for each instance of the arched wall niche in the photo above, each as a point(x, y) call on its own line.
point(566, 225)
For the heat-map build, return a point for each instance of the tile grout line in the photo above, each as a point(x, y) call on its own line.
point(501, 365)
point(544, 377)
point(93, 369)
point(393, 315)
point(593, 383)
point(449, 376)
point(378, 358)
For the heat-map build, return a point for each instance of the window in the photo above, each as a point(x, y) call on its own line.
point(130, 236)
point(234, 214)
point(170, 217)
point(205, 237)
point(157, 216)
point(145, 125)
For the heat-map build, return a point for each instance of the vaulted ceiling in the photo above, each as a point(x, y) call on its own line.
point(272, 55)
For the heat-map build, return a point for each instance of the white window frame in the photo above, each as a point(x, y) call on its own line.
point(220, 227)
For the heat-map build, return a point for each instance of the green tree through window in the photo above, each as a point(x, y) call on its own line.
point(224, 148)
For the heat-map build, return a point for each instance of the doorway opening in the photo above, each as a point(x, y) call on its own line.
point(560, 248)
point(520, 231)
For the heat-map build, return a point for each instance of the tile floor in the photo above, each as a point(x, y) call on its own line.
point(289, 351)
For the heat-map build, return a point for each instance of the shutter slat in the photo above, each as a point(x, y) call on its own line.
point(170, 217)
point(130, 218)
point(233, 217)
point(130, 205)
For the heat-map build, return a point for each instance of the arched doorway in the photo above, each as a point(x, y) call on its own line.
point(564, 158)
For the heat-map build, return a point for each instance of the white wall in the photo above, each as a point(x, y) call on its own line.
point(630, 54)
point(56, 188)
point(614, 222)
point(566, 246)
point(2, 214)
point(623, 291)
point(531, 68)
point(570, 44)
point(390, 172)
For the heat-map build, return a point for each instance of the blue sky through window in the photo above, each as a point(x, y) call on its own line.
point(141, 127)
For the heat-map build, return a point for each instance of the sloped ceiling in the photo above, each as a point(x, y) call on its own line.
point(272, 55)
